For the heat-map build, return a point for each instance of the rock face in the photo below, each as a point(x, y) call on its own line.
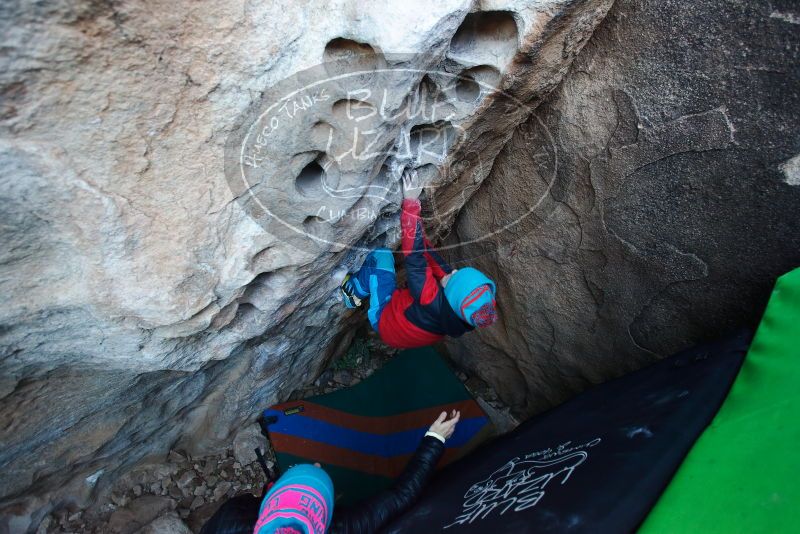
point(167, 524)
point(146, 302)
point(647, 205)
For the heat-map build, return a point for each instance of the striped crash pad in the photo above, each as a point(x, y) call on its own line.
point(364, 435)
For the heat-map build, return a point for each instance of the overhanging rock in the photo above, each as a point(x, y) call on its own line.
point(144, 305)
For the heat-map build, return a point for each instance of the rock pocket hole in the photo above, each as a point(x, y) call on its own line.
point(467, 89)
point(346, 55)
point(315, 226)
point(487, 37)
point(381, 185)
point(428, 89)
point(487, 77)
point(309, 181)
point(433, 99)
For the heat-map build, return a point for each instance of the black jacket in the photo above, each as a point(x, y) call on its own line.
point(372, 514)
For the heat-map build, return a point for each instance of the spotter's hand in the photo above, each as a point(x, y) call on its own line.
point(445, 426)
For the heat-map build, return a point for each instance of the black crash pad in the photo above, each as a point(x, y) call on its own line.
point(597, 463)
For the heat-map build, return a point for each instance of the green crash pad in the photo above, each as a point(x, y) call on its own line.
point(743, 474)
point(364, 435)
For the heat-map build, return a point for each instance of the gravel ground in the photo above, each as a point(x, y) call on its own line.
point(178, 496)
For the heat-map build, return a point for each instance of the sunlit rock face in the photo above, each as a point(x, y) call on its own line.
point(150, 298)
point(648, 204)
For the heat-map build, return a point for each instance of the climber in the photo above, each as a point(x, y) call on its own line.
point(302, 500)
point(439, 301)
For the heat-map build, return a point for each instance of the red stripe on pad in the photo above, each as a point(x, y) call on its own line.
point(382, 425)
point(350, 459)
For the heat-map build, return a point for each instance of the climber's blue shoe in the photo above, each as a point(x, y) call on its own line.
point(348, 293)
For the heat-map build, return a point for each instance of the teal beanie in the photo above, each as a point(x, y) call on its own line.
point(471, 294)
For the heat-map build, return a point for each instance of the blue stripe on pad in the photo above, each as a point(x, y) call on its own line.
point(384, 445)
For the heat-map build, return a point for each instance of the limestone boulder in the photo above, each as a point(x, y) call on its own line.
point(147, 301)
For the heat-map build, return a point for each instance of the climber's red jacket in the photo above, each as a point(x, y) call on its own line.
point(420, 314)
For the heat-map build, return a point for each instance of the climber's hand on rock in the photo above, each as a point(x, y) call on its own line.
point(445, 426)
point(412, 187)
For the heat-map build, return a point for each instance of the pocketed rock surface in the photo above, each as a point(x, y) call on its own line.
point(146, 304)
point(639, 196)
